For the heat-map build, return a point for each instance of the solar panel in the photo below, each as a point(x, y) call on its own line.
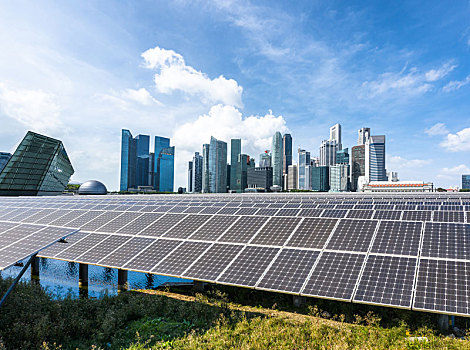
point(134, 227)
point(126, 252)
point(181, 258)
point(417, 215)
point(102, 249)
point(276, 231)
point(214, 228)
point(243, 230)
point(152, 255)
point(249, 266)
point(213, 262)
point(315, 213)
point(246, 211)
point(287, 212)
point(75, 250)
point(65, 219)
point(85, 218)
point(228, 210)
point(210, 210)
point(448, 216)
point(443, 286)
point(312, 233)
point(267, 211)
point(101, 220)
point(5, 226)
point(387, 215)
point(334, 213)
point(119, 222)
point(360, 214)
point(334, 276)
point(352, 235)
point(59, 247)
point(162, 225)
point(47, 219)
point(187, 226)
point(397, 237)
point(289, 271)
point(446, 241)
point(387, 280)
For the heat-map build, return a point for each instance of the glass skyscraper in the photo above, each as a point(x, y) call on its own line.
point(304, 169)
point(39, 166)
point(342, 156)
point(265, 159)
point(165, 170)
point(320, 178)
point(465, 182)
point(142, 161)
point(217, 166)
point(375, 158)
point(195, 174)
point(276, 159)
point(358, 164)
point(235, 150)
point(128, 160)
point(205, 168)
point(286, 153)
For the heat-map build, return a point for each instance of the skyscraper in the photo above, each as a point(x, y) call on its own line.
point(466, 183)
point(151, 176)
point(205, 168)
point(235, 150)
point(335, 135)
point(286, 153)
point(276, 149)
point(339, 178)
point(128, 160)
point(320, 178)
point(292, 177)
point(328, 150)
point(375, 158)
point(358, 164)
point(197, 173)
point(304, 169)
point(142, 160)
point(164, 164)
point(363, 136)
point(217, 166)
point(342, 156)
point(243, 164)
point(190, 177)
point(265, 159)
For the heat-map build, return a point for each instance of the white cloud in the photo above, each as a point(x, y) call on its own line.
point(398, 162)
point(141, 96)
point(224, 123)
point(173, 74)
point(456, 84)
point(35, 109)
point(456, 170)
point(407, 82)
point(437, 129)
point(436, 74)
point(457, 142)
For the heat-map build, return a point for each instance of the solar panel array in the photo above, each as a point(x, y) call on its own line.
point(398, 250)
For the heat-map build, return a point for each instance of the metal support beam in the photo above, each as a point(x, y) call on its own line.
point(298, 301)
point(198, 286)
point(123, 284)
point(17, 279)
point(83, 280)
point(35, 270)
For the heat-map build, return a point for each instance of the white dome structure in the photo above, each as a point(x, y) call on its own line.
point(92, 187)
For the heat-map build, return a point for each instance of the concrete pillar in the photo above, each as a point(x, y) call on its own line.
point(35, 270)
point(443, 323)
point(298, 300)
point(83, 280)
point(123, 284)
point(198, 286)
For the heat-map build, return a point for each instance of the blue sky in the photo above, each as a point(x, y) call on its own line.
point(82, 71)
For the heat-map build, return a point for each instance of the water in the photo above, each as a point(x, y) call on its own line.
point(60, 278)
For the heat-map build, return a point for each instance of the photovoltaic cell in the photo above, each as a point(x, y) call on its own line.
point(397, 237)
point(246, 211)
point(314, 213)
point(417, 215)
point(243, 230)
point(47, 219)
point(334, 276)
point(119, 222)
point(267, 211)
point(134, 227)
point(100, 221)
point(289, 270)
point(77, 249)
point(187, 226)
point(102, 249)
point(446, 241)
point(387, 280)
point(180, 259)
point(151, 256)
point(213, 262)
point(249, 266)
point(360, 214)
point(210, 210)
point(276, 231)
point(334, 213)
point(352, 235)
point(85, 218)
point(287, 212)
point(443, 286)
point(217, 225)
point(228, 210)
point(312, 233)
point(65, 219)
point(59, 247)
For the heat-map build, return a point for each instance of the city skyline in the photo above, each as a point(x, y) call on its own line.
point(137, 70)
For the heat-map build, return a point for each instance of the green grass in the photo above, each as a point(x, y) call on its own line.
point(221, 318)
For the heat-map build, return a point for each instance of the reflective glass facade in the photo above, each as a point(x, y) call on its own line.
point(286, 152)
point(166, 169)
point(320, 178)
point(358, 164)
point(4, 158)
point(217, 166)
point(276, 159)
point(128, 160)
point(375, 158)
point(304, 168)
point(39, 166)
point(235, 150)
point(466, 182)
